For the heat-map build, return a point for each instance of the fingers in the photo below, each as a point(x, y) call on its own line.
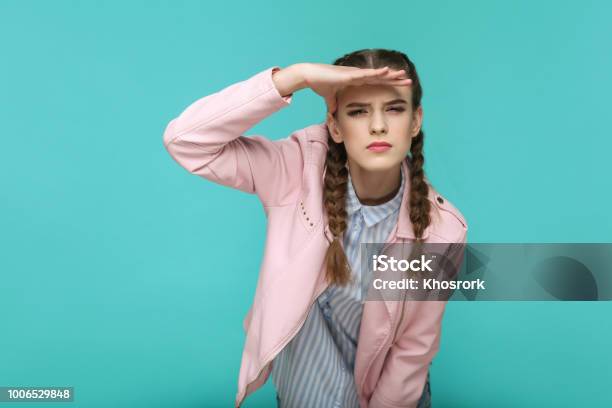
point(385, 72)
point(331, 103)
point(393, 82)
point(363, 73)
point(399, 74)
point(383, 76)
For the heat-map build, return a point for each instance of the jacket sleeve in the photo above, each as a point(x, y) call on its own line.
point(405, 369)
point(207, 140)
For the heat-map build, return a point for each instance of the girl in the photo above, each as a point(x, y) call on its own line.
point(325, 189)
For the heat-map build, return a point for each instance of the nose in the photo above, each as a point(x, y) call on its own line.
point(378, 128)
point(378, 125)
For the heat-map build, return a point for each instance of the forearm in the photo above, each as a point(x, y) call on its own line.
point(290, 79)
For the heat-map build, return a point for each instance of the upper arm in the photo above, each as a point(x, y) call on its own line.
point(271, 169)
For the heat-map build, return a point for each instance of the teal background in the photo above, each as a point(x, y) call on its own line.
point(128, 278)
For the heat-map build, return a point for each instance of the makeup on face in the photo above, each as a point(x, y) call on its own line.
point(397, 106)
point(379, 146)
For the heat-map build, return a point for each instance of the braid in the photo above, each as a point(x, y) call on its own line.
point(334, 197)
point(419, 204)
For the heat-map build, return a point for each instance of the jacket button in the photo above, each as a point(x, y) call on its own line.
point(311, 224)
point(304, 212)
point(440, 199)
point(307, 219)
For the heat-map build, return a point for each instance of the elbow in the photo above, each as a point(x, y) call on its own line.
point(169, 134)
point(176, 150)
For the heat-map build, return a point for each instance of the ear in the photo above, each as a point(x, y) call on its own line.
point(417, 121)
point(333, 129)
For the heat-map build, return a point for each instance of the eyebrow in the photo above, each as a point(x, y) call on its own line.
point(361, 104)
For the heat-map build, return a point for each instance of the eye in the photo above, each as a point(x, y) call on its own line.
point(356, 112)
point(360, 111)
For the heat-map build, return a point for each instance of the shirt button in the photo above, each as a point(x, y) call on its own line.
point(326, 310)
point(440, 199)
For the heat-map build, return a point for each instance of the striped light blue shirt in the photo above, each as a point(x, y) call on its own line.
point(316, 368)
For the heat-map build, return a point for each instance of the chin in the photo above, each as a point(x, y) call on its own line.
point(380, 163)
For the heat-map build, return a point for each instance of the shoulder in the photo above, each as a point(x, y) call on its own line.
point(448, 221)
point(310, 134)
point(317, 132)
point(316, 136)
point(301, 142)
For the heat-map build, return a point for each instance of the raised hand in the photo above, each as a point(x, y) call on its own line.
point(326, 79)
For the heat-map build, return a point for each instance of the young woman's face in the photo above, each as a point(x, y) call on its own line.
point(375, 113)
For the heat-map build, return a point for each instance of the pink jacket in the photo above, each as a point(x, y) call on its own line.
point(208, 139)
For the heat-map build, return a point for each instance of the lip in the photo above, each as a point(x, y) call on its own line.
point(379, 146)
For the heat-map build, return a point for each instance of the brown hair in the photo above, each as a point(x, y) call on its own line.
point(336, 176)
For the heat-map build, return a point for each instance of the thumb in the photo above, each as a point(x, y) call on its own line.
point(330, 101)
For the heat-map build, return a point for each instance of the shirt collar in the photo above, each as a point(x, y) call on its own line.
point(373, 214)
